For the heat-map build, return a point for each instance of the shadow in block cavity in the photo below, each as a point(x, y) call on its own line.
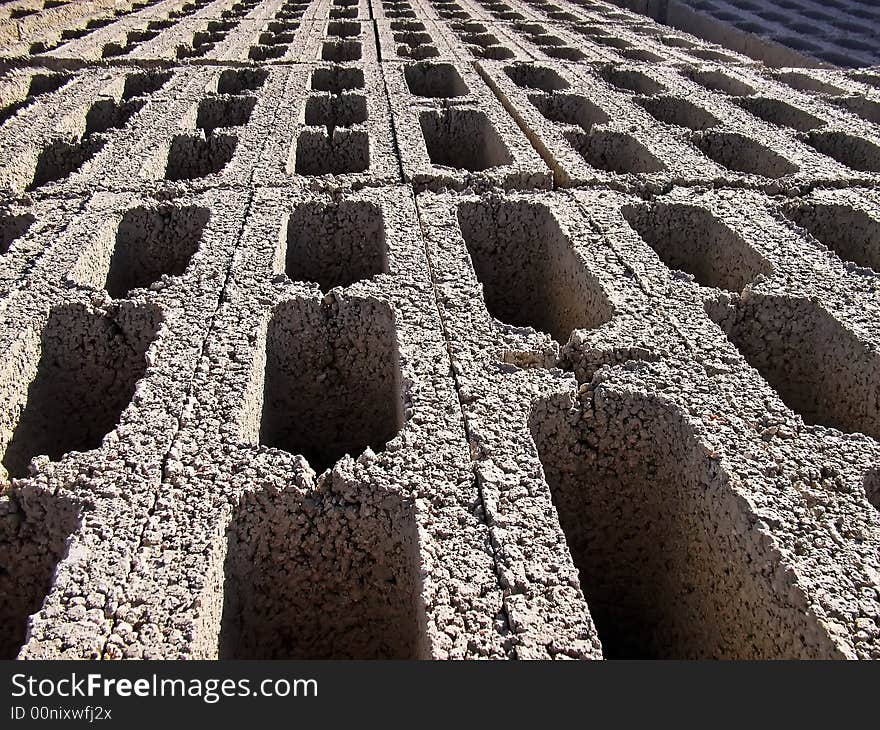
point(332, 380)
point(341, 51)
point(721, 82)
point(62, 158)
point(152, 242)
point(691, 239)
point(237, 81)
point(34, 529)
point(528, 76)
point(670, 561)
point(872, 487)
point(613, 151)
point(337, 79)
point(13, 227)
point(434, 80)
point(679, 112)
point(531, 275)
point(569, 109)
point(341, 152)
point(89, 364)
point(224, 111)
point(819, 369)
point(144, 84)
point(308, 577)
point(631, 80)
point(191, 156)
point(850, 232)
point(854, 152)
point(107, 114)
point(779, 112)
point(808, 84)
point(336, 244)
point(342, 110)
point(464, 139)
point(742, 154)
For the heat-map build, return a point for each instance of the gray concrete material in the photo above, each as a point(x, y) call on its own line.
point(160, 330)
point(332, 129)
point(339, 375)
point(633, 126)
point(463, 142)
point(342, 42)
point(577, 427)
point(266, 503)
point(409, 39)
point(184, 129)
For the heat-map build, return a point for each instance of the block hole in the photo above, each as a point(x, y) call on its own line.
point(464, 139)
point(152, 242)
point(343, 13)
point(34, 530)
point(215, 112)
point(336, 244)
point(563, 53)
point(46, 83)
point(856, 153)
point(491, 53)
point(332, 381)
point(629, 80)
point(779, 112)
point(818, 368)
point(307, 577)
point(809, 84)
point(144, 84)
point(679, 112)
point(89, 364)
point(536, 77)
point(670, 561)
point(344, 151)
point(341, 51)
point(743, 154)
point(191, 156)
point(238, 81)
point(343, 29)
point(61, 158)
point(434, 80)
point(850, 232)
point(337, 79)
point(569, 109)
point(344, 110)
point(106, 114)
point(691, 239)
point(708, 54)
point(872, 487)
point(13, 227)
point(614, 151)
point(867, 109)
point(530, 274)
point(721, 82)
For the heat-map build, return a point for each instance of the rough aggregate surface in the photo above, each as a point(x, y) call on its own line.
point(439, 329)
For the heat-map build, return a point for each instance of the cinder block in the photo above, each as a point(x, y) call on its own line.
point(442, 329)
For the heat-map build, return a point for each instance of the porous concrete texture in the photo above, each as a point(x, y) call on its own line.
point(451, 329)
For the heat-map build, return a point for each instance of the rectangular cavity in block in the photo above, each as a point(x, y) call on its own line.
point(336, 244)
point(151, 243)
point(530, 273)
point(332, 381)
point(691, 239)
point(464, 139)
point(89, 362)
point(191, 156)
